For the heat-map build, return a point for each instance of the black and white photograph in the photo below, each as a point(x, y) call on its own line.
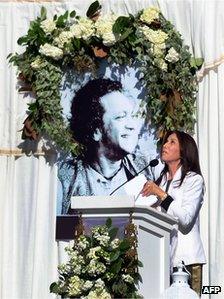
point(111, 149)
point(106, 117)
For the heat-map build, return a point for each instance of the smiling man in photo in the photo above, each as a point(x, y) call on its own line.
point(105, 121)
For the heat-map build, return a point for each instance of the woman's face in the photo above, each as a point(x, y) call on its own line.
point(171, 149)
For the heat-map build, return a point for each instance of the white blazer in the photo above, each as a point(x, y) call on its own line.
point(187, 201)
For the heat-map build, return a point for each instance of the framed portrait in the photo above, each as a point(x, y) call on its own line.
point(106, 112)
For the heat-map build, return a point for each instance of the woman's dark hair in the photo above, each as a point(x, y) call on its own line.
point(87, 111)
point(189, 158)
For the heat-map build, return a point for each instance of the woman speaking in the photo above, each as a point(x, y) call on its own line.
point(180, 189)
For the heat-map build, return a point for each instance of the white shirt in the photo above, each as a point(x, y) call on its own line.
point(187, 201)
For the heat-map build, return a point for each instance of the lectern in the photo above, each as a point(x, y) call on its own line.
point(153, 228)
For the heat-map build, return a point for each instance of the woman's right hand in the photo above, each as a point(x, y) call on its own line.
point(150, 188)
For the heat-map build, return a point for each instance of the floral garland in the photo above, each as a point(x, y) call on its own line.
point(52, 45)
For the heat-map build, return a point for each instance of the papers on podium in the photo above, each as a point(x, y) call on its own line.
point(134, 187)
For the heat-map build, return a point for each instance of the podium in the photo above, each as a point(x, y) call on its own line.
point(153, 228)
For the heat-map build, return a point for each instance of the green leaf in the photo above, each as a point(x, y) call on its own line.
point(72, 14)
point(8, 56)
point(13, 60)
point(113, 232)
point(22, 40)
point(125, 34)
point(116, 267)
point(43, 13)
point(114, 256)
point(93, 9)
point(138, 277)
point(54, 288)
point(199, 61)
point(60, 21)
point(196, 62)
point(120, 288)
point(124, 245)
point(33, 106)
point(77, 44)
point(66, 15)
point(121, 24)
point(193, 62)
point(108, 222)
point(140, 264)
point(139, 50)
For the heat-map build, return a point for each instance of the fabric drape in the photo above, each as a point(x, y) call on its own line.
point(28, 251)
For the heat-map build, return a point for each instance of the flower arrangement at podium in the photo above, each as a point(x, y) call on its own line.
point(100, 265)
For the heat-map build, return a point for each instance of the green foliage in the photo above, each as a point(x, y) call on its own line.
point(97, 268)
point(72, 14)
point(93, 9)
point(108, 222)
point(122, 24)
point(61, 21)
point(166, 66)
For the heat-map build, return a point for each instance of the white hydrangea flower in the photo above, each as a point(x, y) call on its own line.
point(71, 252)
point(115, 243)
point(99, 283)
point(83, 28)
point(100, 231)
point(92, 252)
point(154, 36)
point(127, 278)
point(36, 64)
point(104, 30)
point(104, 239)
point(162, 64)
point(99, 294)
point(76, 259)
point(63, 38)
point(104, 295)
point(77, 269)
point(48, 25)
point(150, 14)
point(63, 268)
point(51, 51)
point(87, 285)
point(158, 49)
point(74, 255)
point(172, 55)
point(82, 242)
point(75, 285)
point(92, 295)
point(109, 39)
point(95, 267)
point(69, 249)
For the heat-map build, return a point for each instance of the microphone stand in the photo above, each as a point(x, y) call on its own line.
point(152, 163)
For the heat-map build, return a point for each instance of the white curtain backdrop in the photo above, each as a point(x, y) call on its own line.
point(28, 251)
point(211, 148)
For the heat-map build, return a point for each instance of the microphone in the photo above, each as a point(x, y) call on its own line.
point(152, 163)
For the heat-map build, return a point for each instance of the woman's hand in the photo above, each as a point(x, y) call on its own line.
point(150, 188)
